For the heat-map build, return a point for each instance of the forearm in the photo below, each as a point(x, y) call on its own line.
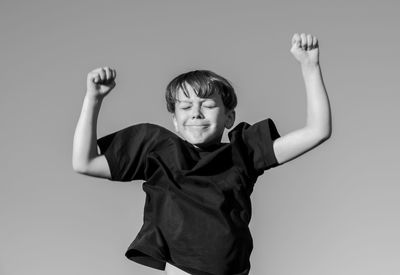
point(85, 138)
point(318, 107)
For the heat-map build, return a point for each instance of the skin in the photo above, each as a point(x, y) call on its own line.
point(318, 128)
point(201, 121)
point(86, 158)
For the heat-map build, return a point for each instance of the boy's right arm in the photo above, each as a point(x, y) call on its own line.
point(86, 158)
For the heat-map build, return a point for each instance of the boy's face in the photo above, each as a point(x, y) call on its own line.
point(201, 121)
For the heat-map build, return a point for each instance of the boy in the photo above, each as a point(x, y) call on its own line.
point(198, 189)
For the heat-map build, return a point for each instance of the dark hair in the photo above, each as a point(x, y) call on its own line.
point(204, 83)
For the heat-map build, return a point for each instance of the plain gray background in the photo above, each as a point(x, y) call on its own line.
point(334, 210)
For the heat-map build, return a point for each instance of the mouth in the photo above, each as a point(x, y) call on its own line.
point(197, 126)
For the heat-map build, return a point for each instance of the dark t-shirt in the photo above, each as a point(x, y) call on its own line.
point(197, 207)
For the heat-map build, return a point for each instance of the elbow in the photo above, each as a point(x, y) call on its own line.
point(319, 136)
point(79, 167)
point(328, 134)
point(325, 136)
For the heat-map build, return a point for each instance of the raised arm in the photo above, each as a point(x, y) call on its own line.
point(86, 158)
point(318, 127)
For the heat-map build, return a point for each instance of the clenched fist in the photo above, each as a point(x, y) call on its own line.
point(305, 49)
point(100, 82)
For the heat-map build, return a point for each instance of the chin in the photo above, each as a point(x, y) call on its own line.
point(202, 141)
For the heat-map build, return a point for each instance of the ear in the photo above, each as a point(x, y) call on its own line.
point(230, 119)
point(175, 122)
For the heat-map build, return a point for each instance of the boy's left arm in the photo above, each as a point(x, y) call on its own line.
point(318, 128)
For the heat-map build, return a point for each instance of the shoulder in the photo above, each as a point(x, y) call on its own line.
point(244, 130)
point(254, 143)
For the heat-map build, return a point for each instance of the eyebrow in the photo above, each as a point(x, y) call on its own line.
point(189, 101)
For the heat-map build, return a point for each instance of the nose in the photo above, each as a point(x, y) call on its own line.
point(196, 113)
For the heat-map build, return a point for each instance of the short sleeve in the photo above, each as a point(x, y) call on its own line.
point(126, 150)
point(256, 142)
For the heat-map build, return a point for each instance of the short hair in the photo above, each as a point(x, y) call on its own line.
point(205, 83)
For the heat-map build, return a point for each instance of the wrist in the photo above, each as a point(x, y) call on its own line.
point(92, 98)
point(92, 102)
point(310, 67)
